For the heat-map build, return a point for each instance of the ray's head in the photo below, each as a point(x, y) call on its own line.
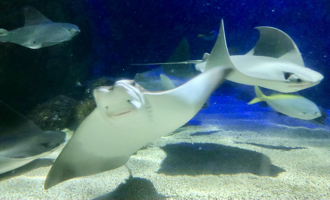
point(301, 79)
point(120, 99)
point(71, 28)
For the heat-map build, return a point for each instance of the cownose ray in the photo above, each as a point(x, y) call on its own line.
point(38, 31)
point(128, 117)
point(295, 106)
point(21, 141)
point(274, 63)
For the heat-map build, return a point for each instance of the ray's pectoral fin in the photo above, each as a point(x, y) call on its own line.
point(63, 170)
point(219, 55)
point(276, 44)
point(34, 17)
point(87, 152)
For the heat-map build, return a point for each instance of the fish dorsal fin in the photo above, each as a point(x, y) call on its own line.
point(34, 17)
point(219, 55)
point(277, 44)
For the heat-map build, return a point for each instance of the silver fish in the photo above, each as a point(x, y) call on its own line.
point(292, 105)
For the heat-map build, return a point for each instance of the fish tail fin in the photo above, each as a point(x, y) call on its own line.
point(258, 92)
point(3, 32)
point(255, 100)
point(260, 96)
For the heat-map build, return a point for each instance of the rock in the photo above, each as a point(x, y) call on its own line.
point(56, 114)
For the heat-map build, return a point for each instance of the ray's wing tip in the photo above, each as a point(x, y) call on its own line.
point(28, 8)
point(51, 180)
point(221, 23)
point(49, 183)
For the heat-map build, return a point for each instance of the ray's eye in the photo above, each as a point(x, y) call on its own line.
point(292, 78)
point(287, 75)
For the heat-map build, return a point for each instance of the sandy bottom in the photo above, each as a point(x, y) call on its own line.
point(216, 156)
point(194, 163)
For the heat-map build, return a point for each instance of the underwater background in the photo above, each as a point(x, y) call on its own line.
point(115, 34)
point(53, 86)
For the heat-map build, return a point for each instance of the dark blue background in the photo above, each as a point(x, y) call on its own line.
point(143, 31)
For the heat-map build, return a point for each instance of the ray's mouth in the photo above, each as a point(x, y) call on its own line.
point(123, 113)
point(298, 86)
point(303, 85)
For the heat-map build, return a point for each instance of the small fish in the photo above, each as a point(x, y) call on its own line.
point(212, 35)
point(38, 31)
point(292, 105)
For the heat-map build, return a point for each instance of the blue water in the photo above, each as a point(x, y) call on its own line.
point(116, 34)
point(148, 31)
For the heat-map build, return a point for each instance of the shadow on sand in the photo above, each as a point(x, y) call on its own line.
point(134, 188)
point(206, 158)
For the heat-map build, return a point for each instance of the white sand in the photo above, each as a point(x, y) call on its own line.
point(307, 174)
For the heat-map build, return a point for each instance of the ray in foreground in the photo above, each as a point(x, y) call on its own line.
point(128, 117)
